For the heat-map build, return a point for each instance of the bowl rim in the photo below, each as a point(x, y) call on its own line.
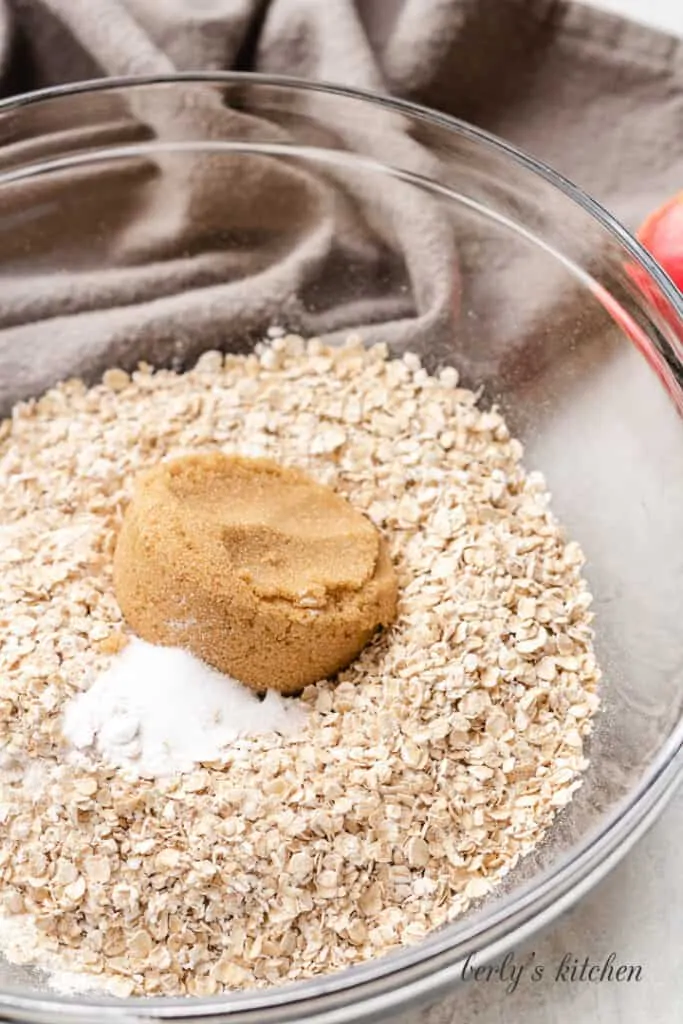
point(386, 980)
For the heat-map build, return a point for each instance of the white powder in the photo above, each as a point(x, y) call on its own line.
point(158, 711)
point(20, 942)
point(35, 778)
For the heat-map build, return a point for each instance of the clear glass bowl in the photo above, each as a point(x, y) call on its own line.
point(365, 213)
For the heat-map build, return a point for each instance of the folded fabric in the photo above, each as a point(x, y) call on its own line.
point(167, 254)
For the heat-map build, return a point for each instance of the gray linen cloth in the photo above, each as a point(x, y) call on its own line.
point(599, 98)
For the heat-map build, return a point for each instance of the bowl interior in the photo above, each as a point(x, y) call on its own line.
point(159, 220)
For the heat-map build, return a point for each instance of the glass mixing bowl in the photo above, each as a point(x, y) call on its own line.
point(158, 218)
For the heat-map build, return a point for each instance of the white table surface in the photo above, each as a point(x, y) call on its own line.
point(638, 910)
point(663, 14)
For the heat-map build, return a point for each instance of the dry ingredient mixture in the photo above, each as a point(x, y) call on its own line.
point(424, 771)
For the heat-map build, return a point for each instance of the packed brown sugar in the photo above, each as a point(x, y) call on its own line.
point(255, 568)
point(426, 767)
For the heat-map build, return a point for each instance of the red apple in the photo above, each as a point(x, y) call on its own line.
point(662, 235)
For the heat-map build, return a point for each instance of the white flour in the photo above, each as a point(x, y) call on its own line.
point(158, 711)
point(19, 941)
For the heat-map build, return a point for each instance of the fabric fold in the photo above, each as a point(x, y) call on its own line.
point(185, 240)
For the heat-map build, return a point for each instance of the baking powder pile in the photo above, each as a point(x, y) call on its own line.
point(422, 772)
point(160, 711)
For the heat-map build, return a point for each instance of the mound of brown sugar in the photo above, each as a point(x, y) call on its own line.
point(255, 568)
